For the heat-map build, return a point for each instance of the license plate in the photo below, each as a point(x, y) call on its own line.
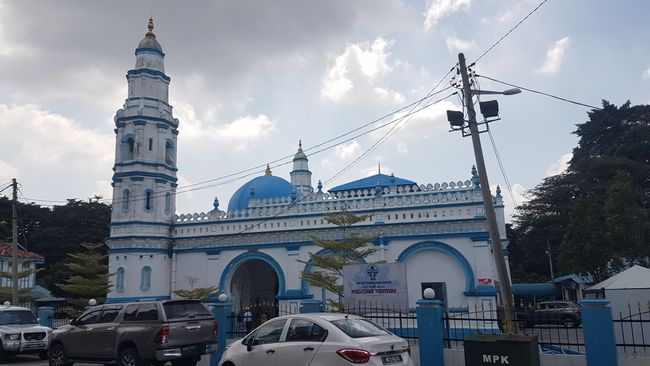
point(189, 349)
point(391, 359)
point(210, 347)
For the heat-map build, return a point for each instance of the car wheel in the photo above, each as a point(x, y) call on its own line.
point(57, 356)
point(569, 323)
point(42, 355)
point(128, 357)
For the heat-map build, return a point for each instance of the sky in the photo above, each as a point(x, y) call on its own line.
point(251, 78)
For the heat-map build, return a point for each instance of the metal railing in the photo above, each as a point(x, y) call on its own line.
point(632, 329)
point(556, 333)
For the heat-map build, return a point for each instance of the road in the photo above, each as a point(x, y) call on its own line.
point(33, 360)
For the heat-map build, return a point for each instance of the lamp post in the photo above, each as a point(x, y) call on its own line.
point(504, 286)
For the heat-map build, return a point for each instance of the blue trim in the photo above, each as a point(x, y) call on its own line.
point(300, 171)
point(137, 179)
point(470, 280)
point(127, 137)
point(145, 278)
point(136, 250)
point(150, 51)
point(229, 270)
point(119, 282)
point(121, 300)
point(121, 121)
point(162, 125)
point(482, 291)
point(136, 237)
point(142, 175)
point(148, 72)
point(146, 163)
point(117, 223)
point(139, 122)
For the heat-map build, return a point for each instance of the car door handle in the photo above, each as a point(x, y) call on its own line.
point(308, 348)
point(270, 351)
point(109, 329)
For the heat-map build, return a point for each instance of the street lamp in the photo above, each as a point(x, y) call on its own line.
point(488, 109)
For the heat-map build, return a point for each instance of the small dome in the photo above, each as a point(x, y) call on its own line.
point(149, 40)
point(300, 155)
point(266, 186)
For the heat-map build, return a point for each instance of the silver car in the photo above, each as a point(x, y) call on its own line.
point(318, 339)
point(20, 333)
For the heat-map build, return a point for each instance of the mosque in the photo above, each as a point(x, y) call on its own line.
point(251, 249)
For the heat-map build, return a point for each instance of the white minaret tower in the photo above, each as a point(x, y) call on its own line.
point(300, 175)
point(144, 180)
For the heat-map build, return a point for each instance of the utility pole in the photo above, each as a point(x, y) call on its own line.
point(550, 259)
point(14, 243)
point(504, 286)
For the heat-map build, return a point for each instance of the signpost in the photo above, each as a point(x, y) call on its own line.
point(375, 283)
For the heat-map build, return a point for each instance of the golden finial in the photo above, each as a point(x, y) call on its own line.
point(150, 28)
point(268, 170)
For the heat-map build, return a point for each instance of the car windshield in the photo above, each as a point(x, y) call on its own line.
point(184, 309)
point(17, 317)
point(359, 328)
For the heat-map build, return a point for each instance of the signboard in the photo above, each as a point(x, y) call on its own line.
point(375, 283)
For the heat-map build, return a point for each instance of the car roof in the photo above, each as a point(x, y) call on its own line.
point(324, 316)
point(13, 308)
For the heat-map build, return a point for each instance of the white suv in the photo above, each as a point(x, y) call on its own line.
point(20, 333)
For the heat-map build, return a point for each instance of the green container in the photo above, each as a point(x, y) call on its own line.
point(501, 349)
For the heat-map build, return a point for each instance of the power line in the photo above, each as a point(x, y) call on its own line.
point(395, 127)
point(539, 92)
point(508, 32)
point(251, 171)
point(503, 169)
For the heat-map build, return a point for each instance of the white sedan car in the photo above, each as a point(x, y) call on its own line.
point(318, 339)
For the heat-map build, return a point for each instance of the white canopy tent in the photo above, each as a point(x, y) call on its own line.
point(628, 291)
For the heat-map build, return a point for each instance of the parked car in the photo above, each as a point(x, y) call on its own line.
point(136, 334)
point(319, 339)
point(565, 313)
point(20, 333)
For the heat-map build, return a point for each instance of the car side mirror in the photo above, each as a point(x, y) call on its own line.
point(249, 347)
point(73, 322)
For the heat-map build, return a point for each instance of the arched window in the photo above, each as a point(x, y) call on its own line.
point(145, 278)
point(148, 200)
point(169, 152)
point(168, 203)
point(119, 281)
point(126, 195)
point(128, 147)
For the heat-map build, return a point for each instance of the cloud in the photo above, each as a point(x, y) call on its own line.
point(646, 74)
point(362, 67)
point(347, 151)
point(438, 9)
point(458, 45)
point(52, 156)
point(519, 193)
point(421, 124)
point(554, 57)
point(246, 129)
point(402, 148)
point(7, 172)
point(559, 166)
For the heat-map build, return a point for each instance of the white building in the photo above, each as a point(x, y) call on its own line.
point(251, 249)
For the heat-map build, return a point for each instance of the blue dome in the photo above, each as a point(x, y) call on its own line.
point(266, 186)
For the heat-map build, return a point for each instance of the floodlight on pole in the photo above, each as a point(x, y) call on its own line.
point(503, 286)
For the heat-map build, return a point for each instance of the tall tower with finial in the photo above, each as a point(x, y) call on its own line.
point(301, 175)
point(144, 179)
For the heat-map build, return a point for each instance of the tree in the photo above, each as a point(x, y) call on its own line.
point(595, 215)
point(6, 292)
point(350, 249)
point(89, 275)
point(56, 232)
point(198, 293)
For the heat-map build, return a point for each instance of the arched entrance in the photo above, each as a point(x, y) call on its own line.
point(255, 284)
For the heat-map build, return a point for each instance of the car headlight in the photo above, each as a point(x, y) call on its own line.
point(12, 337)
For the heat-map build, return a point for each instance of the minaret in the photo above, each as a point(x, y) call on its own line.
point(144, 179)
point(300, 175)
